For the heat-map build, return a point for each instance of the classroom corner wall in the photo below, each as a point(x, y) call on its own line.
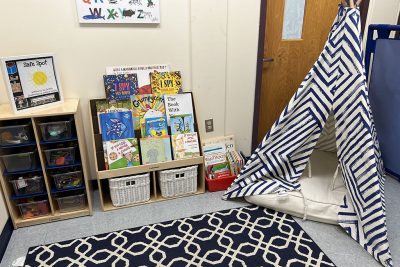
point(213, 44)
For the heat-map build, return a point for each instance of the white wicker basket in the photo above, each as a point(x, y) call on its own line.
point(130, 189)
point(178, 182)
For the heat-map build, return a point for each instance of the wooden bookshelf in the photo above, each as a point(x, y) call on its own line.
point(69, 109)
point(155, 194)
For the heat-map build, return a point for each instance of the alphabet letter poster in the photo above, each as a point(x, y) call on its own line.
point(118, 11)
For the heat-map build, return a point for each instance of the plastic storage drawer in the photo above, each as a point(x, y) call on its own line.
point(130, 189)
point(57, 130)
point(19, 162)
point(177, 182)
point(15, 134)
point(67, 180)
point(33, 209)
point(28, 186)
point(71, 202)
point(60, 156)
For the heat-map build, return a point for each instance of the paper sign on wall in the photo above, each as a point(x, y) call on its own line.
point(118, 11)
point(31, 81)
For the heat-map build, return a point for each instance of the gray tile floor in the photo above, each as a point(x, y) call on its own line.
point(342, 250)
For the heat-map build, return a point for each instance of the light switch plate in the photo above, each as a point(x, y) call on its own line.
point(209, 125)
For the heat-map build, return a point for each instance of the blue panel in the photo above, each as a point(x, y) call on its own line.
point(384, 94)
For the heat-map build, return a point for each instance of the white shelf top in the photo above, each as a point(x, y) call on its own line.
point(70, 106)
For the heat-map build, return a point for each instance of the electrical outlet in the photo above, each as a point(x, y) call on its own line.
point(209, 125)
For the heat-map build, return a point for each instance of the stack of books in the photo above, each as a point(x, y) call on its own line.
point(221, 158)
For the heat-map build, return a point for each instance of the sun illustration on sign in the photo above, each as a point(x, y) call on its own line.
point(39, 78)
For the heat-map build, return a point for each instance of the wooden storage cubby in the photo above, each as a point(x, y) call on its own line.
point(155, 193)
point(68, 110)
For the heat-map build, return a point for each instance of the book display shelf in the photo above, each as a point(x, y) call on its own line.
point(43, 164)
point(158, 190)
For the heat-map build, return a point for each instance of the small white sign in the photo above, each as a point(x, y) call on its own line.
point(32, 81)
point(142, 72)
point(36, 73)
point(118, 11)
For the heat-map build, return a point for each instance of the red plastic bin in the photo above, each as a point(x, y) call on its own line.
point(219, 184)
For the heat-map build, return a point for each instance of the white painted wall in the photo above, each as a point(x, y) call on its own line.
point(382, 12)
point(213, 43)
point(242, 46)
point(3, 212)
point(224, 55)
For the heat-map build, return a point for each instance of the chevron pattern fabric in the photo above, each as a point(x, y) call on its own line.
point(336, 85)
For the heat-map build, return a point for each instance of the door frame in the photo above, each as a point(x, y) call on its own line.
point(260, 54)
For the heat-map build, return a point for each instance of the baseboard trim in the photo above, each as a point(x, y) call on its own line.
point(5, 237)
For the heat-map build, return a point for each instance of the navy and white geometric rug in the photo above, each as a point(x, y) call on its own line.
point(247, 236)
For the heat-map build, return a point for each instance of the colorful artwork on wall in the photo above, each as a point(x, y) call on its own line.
point(118, 11)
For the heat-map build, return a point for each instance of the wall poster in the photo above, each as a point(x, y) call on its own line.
point(31, 81)
point(118, 11)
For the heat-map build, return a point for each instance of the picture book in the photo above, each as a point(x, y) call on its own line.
point(120, 87)
point(185, 145)
point(116, 125)
point(236, 162)
point(228, 141)
point(155, 149)
point(103, 106)
point(146, 106)
point(214, 154)
point(122, 153)
point(216, 161)
point(142, 72)
point(156, 127)
point(181, 124)
point(166, 83)
point(179, 104)
point(105, 155)
point(218, 171)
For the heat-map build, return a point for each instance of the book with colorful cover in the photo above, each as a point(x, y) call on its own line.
point(155, 149)
point(236, 162)
point(104, 106)
point(122, 153)
point(142, 72)
point(228, 141)
point(146, 106)
point(179, 104)
point(218, 171)
point(215, 161)
point(185, 145)
point(181, 124)
point(120, 87)
point(166, 83)
point(116, 125)
point(156, 127)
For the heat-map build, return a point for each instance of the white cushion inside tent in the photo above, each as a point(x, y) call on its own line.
point(322, 202)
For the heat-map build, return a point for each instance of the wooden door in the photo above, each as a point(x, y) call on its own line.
point(287, 61)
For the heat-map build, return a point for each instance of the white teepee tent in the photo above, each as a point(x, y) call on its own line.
point(331, 112)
